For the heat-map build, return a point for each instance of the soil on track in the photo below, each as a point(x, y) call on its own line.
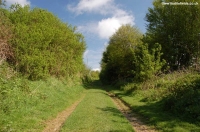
point(55, 124)
point(133, 118)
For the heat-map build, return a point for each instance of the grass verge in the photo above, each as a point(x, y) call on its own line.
point(25, 105)
point(149, 99)
point(96, 113)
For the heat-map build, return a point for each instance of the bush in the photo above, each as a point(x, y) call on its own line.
point(185, 97)
point(6, 33)
point(43, 45)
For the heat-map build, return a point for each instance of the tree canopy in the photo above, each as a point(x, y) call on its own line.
point(42, 45)
point(127, 58)
point(176, 28)
point(5, 35)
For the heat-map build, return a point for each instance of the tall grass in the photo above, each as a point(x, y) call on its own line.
point(158, 87)
point(170, 102)
point(25, 105)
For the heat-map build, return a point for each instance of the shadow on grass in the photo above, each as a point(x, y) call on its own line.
point(96, 84)
point(150, 113)
point(114, 112)
point(154, 114)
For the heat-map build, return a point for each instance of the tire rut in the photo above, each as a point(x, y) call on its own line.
point(133, 118)
point(55, 124)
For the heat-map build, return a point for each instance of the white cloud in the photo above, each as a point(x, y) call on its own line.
point(107, 27)
point(21, 2)
point(96, 69)
point(114, 17)
point(100, 6)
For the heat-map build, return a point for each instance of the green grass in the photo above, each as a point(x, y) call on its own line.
point(148, 100)
point(154, 115)
point(25, 105)
point(97, 113)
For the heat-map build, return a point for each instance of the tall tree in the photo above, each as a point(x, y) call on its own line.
point(127, 58)
point(117, 61)
point(176, 28)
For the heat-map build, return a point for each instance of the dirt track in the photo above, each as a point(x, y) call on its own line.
point(54, 125)
point(135, 121)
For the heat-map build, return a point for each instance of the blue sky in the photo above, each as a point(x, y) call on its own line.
point(97, 20)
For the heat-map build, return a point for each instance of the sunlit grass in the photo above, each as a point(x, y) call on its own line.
point(97, 113)
point(154, 115)
point(148, 98)
point(25, 105)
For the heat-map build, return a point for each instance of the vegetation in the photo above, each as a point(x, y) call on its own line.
point(100, 115)
point(158, 72)
point(168, 44)
point(94, 75)
point(127, 58)
point(169, 102)
point(5, 35)
point(39, 45)
point(176, 29)
point(25, 104)
point(41, 66)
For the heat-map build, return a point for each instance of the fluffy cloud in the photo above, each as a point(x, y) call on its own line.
point(21, 2)
point(107, 26)
point(112, 17)
point(100, 6)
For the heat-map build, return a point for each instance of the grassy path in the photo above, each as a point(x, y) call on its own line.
point(55, 124)
point(134, 119)
point(96, 113)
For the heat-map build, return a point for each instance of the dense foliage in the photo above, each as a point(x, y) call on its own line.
point(170, 102)
point(35, 44)
point(117, 62)
point(171, 41)
point(5, 35)
point(176, 28)
point(184, 97)
point(26, 104)
point(127, 58)
point(41, 44)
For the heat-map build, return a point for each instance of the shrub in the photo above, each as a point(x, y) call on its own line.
point(185, 97)
point(43, 45)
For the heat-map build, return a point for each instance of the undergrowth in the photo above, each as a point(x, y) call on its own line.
point(159, 87)
point(171, 102)
point(25, 104)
